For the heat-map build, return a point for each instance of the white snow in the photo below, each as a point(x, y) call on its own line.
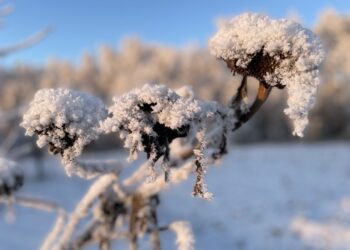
point(266, 197)
point(296, 51)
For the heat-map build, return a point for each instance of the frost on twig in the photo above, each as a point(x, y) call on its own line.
point(278, 53)
point(11, 177)
point(200, 187)
point(99, 229)
point(184, 236)
point(89, 169)
point(55, 231)
point(143, 219)
point(66, 120)
point(98, 188)
point(47, 206)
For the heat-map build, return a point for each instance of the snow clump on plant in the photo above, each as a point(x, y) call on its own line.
point(276, 52)
point(149, 118)
point(64, 119)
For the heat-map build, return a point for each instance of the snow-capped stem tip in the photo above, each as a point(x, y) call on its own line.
point(280, 53)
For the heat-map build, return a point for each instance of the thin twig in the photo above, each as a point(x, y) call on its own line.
point(47, 206)
point(26, 43)
point(97, 188)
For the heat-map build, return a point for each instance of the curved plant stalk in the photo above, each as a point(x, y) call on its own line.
point(243, 113)
point(96, 189)
point(56, 230)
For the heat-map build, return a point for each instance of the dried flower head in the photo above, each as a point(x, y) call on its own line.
point(149, 118)
point(66, 120)
point(276, 52)
point(11, 177)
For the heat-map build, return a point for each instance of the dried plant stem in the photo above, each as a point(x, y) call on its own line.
point(56, 230)
point(137, 176)
point(37, 203)
point(96, 189)
point(177, 175)
point(264, 91)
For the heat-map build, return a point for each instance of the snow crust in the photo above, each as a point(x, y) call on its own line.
point(279, 192)
point(296, 52)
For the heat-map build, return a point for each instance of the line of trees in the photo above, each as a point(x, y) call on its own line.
point(111, 71)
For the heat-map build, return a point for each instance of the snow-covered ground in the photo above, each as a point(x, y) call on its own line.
point(282, 196)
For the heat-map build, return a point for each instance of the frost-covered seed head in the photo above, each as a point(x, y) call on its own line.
point(11, 177)
point(150, 117)
point(276, 52)
point(66, 120)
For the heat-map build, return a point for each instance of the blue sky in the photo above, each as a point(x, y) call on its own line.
point(83, 25)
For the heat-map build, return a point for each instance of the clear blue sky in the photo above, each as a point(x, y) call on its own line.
point(84, 25)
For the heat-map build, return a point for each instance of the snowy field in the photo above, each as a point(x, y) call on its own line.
point(266, 197)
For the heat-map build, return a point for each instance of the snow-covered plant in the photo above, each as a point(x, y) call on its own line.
point(11, 177)
point(177, 131)
point(148, 119)
point(66, 120)
point(278, 53)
